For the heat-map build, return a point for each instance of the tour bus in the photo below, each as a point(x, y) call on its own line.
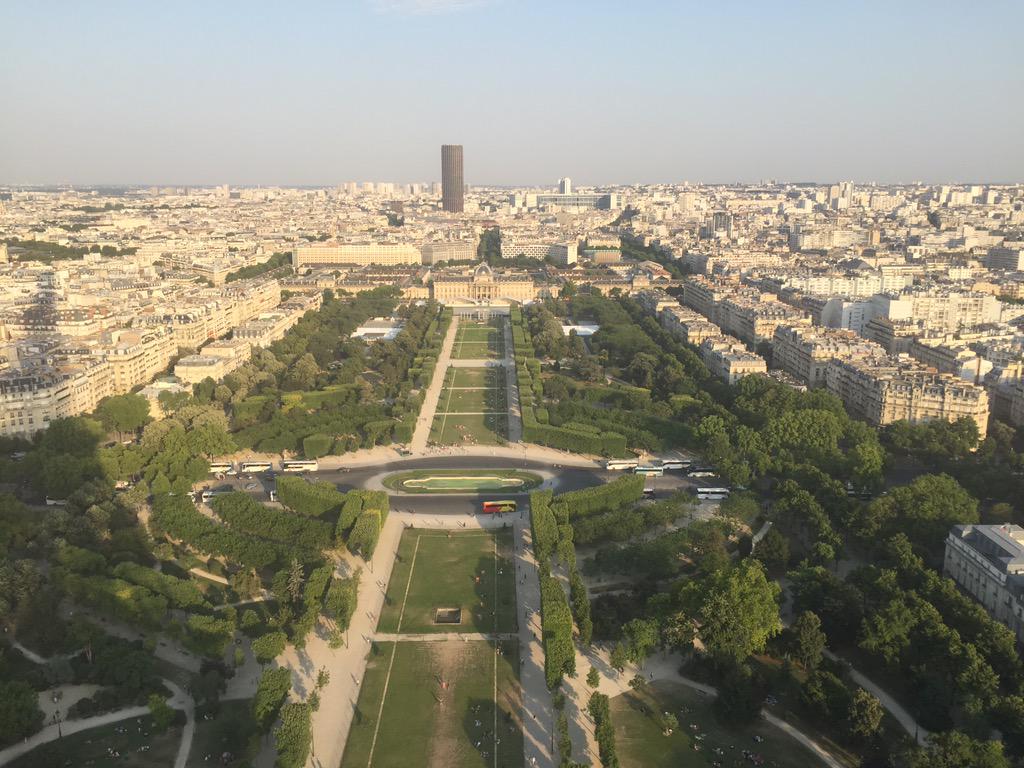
point(493, 507)
point(56, 502)
point(300, 465)
point(217, 467)
point(256, 466)
point(675, 464)
point(621, 464)
point(712, 493)
point(649, 471)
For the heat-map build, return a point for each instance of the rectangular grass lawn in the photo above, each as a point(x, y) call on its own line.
point(476, 377)
point(640, 742)
point(463, 571)
point(472, 401)
point(420, 703)
point(468, 430)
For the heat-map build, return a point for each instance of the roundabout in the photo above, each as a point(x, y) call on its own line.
point(469, 481)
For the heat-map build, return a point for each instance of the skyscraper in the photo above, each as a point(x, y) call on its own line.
point(451, 178)
point(565, 186)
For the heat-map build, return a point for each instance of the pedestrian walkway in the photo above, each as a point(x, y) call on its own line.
point(438, 637)
point(433, 394)
point(515, 413)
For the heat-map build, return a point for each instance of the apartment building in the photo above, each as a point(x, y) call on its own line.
point(987, 562)
point(332, 254)
point(29, 401)
point(687, 325)
point(562, 254)
point(885, 389)
point(805, 352)
point(727, 358)
point(136, 356)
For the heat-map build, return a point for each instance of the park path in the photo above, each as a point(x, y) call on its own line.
point(430, 399)
point(180, 700)
point(438, 637)
point(515, 413)
point(663, 666)
point(538, 711)
point(901, 715)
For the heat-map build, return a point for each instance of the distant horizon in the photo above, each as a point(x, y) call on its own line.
point(224, 93)
point(475, 185)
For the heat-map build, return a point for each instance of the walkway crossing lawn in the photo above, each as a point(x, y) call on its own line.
point(637, 717)
point(472, 571)
point(447, 704)
point(479, 341)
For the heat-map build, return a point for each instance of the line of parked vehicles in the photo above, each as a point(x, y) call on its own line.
point(658, 469)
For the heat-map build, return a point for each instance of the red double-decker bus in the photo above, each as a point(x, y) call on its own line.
point(493, 507)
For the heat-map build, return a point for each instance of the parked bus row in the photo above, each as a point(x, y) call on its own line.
point(654, 468)
point(228, 469)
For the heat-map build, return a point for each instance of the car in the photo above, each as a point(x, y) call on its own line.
point(252, 486)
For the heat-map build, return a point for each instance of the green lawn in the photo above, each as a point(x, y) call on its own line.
point(96, 746)
point(475, 377)
point(462, 481)
point(223, 733)
point(457, 571)
point(641, 744)
point(468, 430)
point(479, 341)
point(434, 694)
point(473, 400)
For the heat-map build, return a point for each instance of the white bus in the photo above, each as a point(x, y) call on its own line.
point(621, 464)
point(56, 502)
point(712, 493)
point(675, 464)
point(217, 467)
point(256, 466)
point(649, 471)
point(300, 465)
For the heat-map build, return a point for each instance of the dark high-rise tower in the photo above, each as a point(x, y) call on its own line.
point(451, 178)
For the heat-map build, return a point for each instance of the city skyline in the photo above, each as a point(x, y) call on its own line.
point(205, 96)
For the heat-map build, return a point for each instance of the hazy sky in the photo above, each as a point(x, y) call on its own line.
point(606, 92)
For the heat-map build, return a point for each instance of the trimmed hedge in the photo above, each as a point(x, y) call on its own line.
point(311, 499)
point(181, 593)
point(602, 498)
point(244, 513)
point(556, 627)
point(365, 533)
point(545, 528)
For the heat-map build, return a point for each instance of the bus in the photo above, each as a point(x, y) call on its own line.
point(256, 466)
point(300, 465)
point(56, 502)
point(217, 467)
point(712, 493)
point(621, 464)
point(649, 471)
point(675, 464)
point(496, 507)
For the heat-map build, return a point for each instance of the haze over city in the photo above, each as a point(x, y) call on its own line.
point(511, 384)
point(314, 94)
